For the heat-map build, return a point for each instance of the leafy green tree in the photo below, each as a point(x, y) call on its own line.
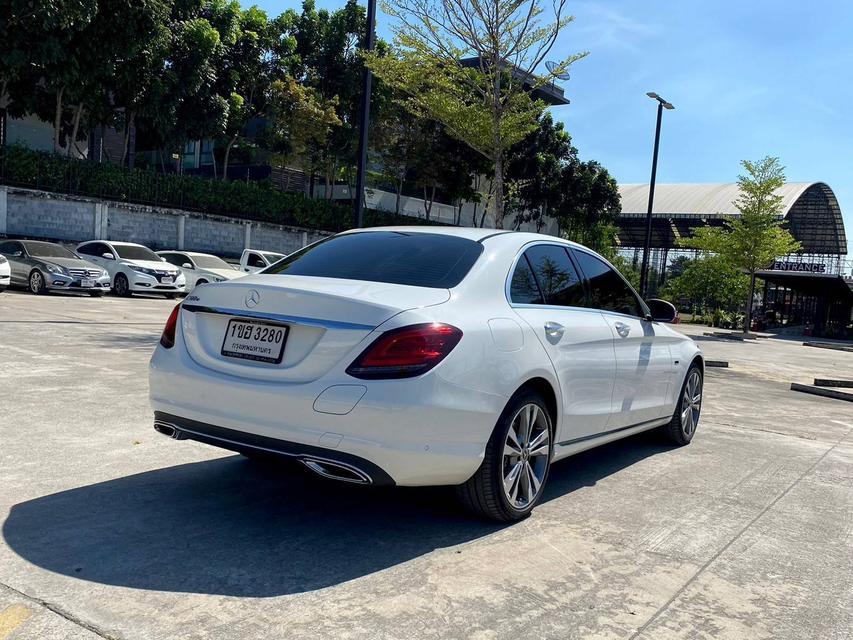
point(259, 54)
point(472, 66)
point(677, 266)
point(298, 120)
point(327, 50)
point(709, 283)
point(757, 237)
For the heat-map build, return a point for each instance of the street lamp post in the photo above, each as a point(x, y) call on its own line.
point(647, 247)
point(365, 117)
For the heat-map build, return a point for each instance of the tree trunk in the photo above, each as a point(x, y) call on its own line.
point(57, 120)
point(428, 202)
point(78, 112)
point(225, 159)
point(747, 321)
point(499, 192)
point(128, 125)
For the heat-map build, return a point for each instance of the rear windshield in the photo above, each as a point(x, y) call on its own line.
point(211, 262)
point(48, 250)
point(272, 257)
point(133, 252)
point(416, 259)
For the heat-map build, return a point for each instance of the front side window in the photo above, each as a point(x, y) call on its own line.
point(395, 257)
point(9, 248)
point(607, 289)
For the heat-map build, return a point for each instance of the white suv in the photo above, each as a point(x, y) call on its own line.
point(134, 268)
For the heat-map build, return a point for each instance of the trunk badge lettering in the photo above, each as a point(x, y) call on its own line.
point(252, 298)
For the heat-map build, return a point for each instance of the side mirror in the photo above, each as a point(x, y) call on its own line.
point(187, 265)
point(108, 256)
point(661, 310)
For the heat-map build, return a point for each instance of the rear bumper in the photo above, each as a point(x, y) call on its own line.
point(411, 432)
point(243, 442)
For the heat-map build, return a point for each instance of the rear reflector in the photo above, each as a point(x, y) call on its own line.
point(406, 352)
point(168, 337)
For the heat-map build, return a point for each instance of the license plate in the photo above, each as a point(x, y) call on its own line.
point(254, 340)
point(167, 279)
point(87, 282)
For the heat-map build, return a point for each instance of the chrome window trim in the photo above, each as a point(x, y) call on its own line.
point(284, 319)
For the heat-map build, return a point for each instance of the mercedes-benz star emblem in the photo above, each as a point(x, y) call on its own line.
point(253, 298)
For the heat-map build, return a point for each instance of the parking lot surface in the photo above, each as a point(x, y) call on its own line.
point(110, 530)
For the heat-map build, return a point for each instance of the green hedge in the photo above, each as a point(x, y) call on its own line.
point(260, 201)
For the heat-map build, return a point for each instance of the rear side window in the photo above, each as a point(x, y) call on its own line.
point(523, 288)
point(174, 258)
point(607, 289)
point(556, 275)
point(396, 257)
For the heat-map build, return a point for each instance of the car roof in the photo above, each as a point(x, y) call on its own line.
point(471, 233)
point(474, 233)
point(122, 244)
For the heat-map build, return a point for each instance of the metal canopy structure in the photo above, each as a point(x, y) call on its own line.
point(811, 209)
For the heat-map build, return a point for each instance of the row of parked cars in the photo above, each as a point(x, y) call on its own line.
point(98, 266)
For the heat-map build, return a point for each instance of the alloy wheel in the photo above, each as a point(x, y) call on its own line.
point(691, 403)
point(36, 282)
point(526, 456)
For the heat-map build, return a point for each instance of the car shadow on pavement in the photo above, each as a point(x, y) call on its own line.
point(233, 527)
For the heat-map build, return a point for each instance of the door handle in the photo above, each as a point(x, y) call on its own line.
point(622, 329)
point(554, 330)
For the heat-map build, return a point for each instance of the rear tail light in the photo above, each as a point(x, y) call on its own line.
point(168, 337)
point(406, 352)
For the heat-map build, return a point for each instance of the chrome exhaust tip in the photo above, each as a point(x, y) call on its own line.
point(168, 430)
point(337, 470)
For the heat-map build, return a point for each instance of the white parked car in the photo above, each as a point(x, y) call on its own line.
point(5, 274)
point(134, 268)
point(254, 260)
point(200, 268)
point(427, 356)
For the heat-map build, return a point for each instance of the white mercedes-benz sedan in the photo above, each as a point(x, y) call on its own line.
point(427, 356)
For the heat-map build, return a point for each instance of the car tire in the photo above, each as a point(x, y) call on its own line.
point(511, 480)
point(171, 296)
point(36, 283)
point(681, 429)
point(2, 289)
point(121, 287)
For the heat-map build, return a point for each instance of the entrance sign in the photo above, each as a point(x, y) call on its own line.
point(810, 267)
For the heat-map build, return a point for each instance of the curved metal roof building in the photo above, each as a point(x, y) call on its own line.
point(810, 208)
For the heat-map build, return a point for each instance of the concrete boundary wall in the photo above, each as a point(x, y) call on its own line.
point(50, 216)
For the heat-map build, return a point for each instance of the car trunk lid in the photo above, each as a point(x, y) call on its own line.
point(325, 318)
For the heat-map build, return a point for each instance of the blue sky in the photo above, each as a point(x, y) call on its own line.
point(748, 78)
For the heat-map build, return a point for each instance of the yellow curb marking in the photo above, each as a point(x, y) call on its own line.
point(11, 618)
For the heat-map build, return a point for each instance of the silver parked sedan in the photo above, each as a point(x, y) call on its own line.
point(46, 266)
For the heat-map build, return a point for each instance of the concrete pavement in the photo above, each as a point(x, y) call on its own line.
point(110, 530)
